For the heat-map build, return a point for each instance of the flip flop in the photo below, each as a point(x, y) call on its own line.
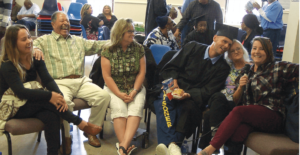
point(124, 150)
point(131, 150)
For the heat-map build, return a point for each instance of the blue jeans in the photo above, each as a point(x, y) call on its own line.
point(30, 25)
point(274, 35)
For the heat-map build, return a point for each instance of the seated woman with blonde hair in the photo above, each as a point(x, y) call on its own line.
point(18, 85)
point(124, 67)
point(89, 22)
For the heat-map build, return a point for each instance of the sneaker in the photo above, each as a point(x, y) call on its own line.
point(174, 149)
point(162, 149)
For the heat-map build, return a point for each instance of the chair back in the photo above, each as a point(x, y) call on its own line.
point(59, 6)
point(81, 1)
point(74, 11)
point(49, 7)
point(83, 32)
point(159, 51)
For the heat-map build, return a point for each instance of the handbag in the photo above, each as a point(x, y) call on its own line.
point(10, 103)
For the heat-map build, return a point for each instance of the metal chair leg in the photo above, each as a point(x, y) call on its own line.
point(8, 142)
point(78, 114)
point(245, 150)
point(145, 119)
point(63, 138)
point(39, 136)
point(101, 133)
point(148, 121)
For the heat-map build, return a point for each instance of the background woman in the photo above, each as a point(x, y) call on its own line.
point(18, 67)
point(162, 35)
point(107, 17)
point(250, 24)
point(124, 67)
point(221, 103)
point(90, 22)
point(262, 108)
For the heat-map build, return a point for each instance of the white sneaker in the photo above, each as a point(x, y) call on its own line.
point(174, 149)
point(162, 149)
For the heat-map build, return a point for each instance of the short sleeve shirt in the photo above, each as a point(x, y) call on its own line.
point(125, 65)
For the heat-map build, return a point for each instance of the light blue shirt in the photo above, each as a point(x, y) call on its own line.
point(213, 60)
point(274, 13)
point(35, 9)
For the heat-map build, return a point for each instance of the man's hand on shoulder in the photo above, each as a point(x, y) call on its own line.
point(38, 54)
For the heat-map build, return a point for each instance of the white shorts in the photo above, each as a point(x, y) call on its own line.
point(121, 109)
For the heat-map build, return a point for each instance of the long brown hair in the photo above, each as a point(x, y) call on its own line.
point(10, 51)
point(84, 10)
point(267, 47)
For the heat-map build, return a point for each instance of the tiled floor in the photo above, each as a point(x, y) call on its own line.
point(27, 144)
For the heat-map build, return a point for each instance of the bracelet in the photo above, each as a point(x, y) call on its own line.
point(135, 90)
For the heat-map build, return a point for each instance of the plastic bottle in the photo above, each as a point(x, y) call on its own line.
point(184, 148)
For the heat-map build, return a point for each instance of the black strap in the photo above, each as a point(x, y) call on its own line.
point(124, 150)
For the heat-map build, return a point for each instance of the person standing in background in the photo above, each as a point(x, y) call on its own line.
point(5, 11)
point(271, 21)
point(15, 9)
point(198, 8)
point(184, 31)
point(155, 8)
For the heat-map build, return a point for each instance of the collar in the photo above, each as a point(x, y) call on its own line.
point(209, 1)
point(57, 36)
point(213, 60)
point(261, 67)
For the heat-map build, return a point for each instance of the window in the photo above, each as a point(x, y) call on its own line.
point(235, 11)
point(98, 5)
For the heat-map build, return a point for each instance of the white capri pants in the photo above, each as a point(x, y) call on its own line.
point(121, 109)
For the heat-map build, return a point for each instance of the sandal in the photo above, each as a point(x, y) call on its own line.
point(117, 146)
point(123, 149)
point(133, 148)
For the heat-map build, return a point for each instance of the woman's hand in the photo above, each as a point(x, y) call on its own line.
point(126, 98)
point(38, 54)
point(243, 81)
point(59, 102)
point(132, 94)
point(101, 23)
point(176, 33)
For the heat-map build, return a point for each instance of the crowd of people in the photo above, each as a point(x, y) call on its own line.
point(237, 82)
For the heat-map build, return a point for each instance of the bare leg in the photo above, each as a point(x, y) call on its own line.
point(120, 127)
point(131, 127)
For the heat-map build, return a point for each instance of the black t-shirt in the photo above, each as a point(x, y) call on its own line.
point(9, 78)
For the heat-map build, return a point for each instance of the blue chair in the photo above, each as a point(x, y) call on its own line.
point(49, 7)
point(83, 32)
point(74, 11)
point(81, 1)
point(159, 51)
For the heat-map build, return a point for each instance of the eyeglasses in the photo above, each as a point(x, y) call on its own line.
point(131, 31)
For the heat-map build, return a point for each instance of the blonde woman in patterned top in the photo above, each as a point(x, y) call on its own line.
point(124, 67)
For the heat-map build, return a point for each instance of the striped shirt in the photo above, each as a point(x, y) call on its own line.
point(5, 11)
point(64, 57)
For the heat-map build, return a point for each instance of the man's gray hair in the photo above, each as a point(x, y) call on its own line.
point(54, 15)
